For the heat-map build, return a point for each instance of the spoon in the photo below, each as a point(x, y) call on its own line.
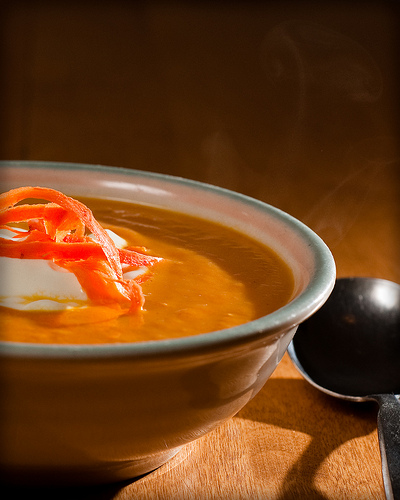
point(350, 349)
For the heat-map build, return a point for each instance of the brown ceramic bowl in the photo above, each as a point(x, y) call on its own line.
point(102, 413)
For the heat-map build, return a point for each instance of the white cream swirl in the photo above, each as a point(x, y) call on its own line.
point(41, 285)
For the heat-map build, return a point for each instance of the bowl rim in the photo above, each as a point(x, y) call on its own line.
point(285, 318)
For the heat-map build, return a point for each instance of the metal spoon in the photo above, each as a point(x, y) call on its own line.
point(350, 349)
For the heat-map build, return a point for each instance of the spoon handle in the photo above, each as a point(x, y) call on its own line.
point(389, 443)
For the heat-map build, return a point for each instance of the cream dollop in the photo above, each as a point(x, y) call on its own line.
point(41, 285)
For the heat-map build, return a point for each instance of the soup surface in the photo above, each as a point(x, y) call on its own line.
point(211, 277)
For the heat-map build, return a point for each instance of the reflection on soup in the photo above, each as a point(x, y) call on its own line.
point(210, 278)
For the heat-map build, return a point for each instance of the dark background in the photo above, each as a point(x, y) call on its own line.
point(292, 102)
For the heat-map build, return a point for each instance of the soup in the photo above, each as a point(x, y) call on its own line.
point(208, 277)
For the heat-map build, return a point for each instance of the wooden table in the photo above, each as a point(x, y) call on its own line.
point(294, 103)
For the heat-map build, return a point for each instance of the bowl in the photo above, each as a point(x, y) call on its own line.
point(78, 414)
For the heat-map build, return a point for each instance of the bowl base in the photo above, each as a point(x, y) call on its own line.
point(104, 473)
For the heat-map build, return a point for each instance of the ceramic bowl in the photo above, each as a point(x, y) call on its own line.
point(104, 413)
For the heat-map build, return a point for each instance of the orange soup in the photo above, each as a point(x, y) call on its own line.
point(210, 278)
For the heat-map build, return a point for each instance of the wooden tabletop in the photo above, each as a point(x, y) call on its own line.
point(293, 103)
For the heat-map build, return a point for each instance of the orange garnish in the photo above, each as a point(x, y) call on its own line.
point(56, 231)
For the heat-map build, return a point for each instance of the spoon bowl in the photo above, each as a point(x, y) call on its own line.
point(350, 349)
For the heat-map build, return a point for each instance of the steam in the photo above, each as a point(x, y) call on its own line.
point(316, 56)
point(319, 76)
point(327, 85)
point(370, 158)
point(223, 160)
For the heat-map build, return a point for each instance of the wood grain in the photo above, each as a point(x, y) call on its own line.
point(294, 103)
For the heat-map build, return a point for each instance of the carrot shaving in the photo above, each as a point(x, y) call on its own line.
point(56, 231)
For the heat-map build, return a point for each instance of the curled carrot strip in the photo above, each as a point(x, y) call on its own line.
point(37, 245)
point(11, 198)
point(56, 231)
